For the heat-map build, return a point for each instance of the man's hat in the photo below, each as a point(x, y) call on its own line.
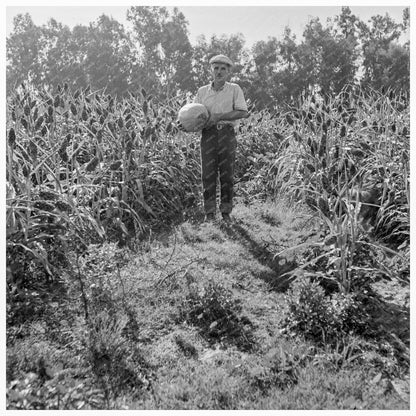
point(221, 59)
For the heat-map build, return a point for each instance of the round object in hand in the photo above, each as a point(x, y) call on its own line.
point(193, 117)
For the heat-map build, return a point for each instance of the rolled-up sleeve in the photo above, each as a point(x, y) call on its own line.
point(239, 100)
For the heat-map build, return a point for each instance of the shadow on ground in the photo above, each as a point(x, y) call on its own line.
point(275, 276)
point(391, 321)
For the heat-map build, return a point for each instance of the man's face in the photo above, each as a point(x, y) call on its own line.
point(220, 72)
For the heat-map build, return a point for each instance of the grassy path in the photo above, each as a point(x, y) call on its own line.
point(194, 321)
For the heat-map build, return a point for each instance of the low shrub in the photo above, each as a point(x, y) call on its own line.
point(320, 317)
point(218, 315)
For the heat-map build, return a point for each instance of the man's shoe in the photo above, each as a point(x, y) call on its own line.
point(209, 217)
point(226, 217)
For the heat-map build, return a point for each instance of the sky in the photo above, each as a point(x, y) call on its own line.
point(254, 22)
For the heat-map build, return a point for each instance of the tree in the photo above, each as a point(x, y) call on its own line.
point(177, 50)
point(108, 56)
point(406, 19)
point(98, 55)
point(61, 55)
point(385, 62)
point(289, 81)
point(22, 52)
point(262, 89)
point(164, 49)
point(328, 56)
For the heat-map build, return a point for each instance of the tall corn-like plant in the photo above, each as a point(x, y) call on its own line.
point(345, 160)
point(118, 165)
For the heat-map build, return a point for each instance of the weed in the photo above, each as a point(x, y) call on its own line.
point(218, 315)
point(114, 360)
point(320, 317)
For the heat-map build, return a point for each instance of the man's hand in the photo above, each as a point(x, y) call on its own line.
point(213, 119)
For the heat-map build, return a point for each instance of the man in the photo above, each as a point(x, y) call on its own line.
point(226, 104)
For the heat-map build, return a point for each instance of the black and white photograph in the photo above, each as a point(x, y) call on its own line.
point(207, 207)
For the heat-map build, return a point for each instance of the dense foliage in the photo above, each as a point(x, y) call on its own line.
point(86, 167)
point(157, 55)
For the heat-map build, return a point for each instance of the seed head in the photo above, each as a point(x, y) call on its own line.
point(115, 165)
point(63, 206)
point(12, 137)
point(24, 123)
point(325, 183)
point(352, 168)
point(323, 205)
point(26, 171)
point(319, 118)
point(322, 146)
point(48, 195)
point(310, 167)
point(99, 136)
point(39, 122)
point(289, 119)
point(32, 150)
point(336, 153)
point(62, 152)
point(92, 164)
point(44, 206)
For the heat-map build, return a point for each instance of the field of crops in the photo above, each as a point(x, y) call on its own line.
point(86, 169)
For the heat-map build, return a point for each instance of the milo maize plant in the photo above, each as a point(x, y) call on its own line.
point(348, 159)
point(85, 167)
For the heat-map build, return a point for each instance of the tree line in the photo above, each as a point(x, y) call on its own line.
point(155, 54)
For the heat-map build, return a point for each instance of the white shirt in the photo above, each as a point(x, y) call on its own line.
point(229, 98)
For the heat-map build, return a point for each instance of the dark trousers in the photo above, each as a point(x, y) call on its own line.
point(218, 155)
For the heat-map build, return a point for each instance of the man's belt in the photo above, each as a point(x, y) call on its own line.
point(222, 126)
point(219, 127)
